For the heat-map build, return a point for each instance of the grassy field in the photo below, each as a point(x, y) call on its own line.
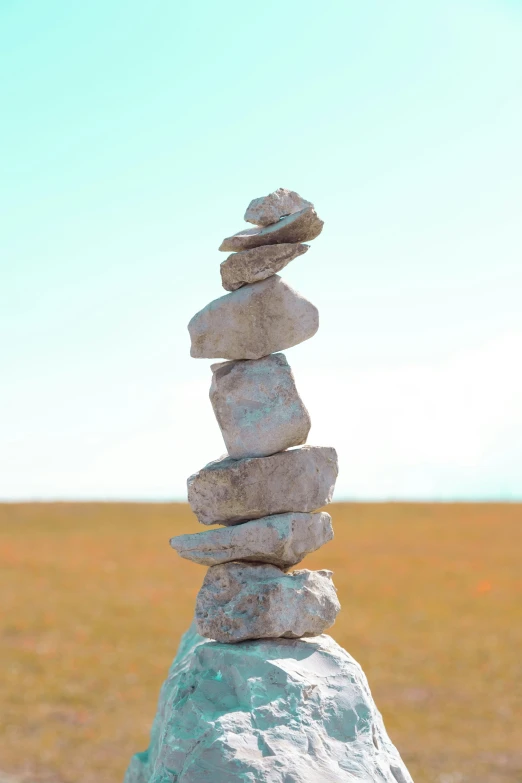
point(94, 602)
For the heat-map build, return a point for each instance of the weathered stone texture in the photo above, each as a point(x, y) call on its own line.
point(251, 266)
point(302, 226)
point(229, 491)
point(268, 711)
point(283, 540)
point(252, 322)
point(269, 209)
point(240, 601)
point(257, 406)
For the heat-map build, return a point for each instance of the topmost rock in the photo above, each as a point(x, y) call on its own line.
point(269, 209)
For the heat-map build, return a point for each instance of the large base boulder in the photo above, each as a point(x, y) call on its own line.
point(271, 711)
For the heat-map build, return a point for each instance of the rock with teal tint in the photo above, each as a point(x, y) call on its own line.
point(230, 491)
point(268, 711)
point(251, 266)
point(269, 209)
point(252, 322)
point(302, 226)
point(257, 406)
point(240, 601)
point(283, 540)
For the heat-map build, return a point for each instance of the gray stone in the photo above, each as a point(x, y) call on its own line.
point(257, 406)
point(302, 226)
point(240, 601)
point(283, 540)
point(268, 711)
point(229, 491)
point(269, 209)
point(251, 266)
point(252, 322)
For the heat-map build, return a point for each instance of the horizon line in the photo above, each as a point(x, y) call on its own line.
point(354, 500)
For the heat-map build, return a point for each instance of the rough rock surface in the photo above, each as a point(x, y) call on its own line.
point(240, 601)
point(283, 540)
point(269, 209)
point(257, 406)
point(229, 491)
point(268, 711)
point(300, 227)
point(251, 266)
point(252, 322)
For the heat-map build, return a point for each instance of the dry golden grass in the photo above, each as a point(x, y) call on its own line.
point(94, 602)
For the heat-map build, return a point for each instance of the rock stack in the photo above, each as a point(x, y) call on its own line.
point(265, 489)
point(255, 693)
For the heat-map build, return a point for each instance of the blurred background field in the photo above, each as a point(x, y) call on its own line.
point(95, 601)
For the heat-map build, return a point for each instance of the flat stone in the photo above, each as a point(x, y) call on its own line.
point(252, 322)
point(240, 601)
point(229, 491)
point(251, 266)
point(269, 209)
point(257, 406)
point(302, 226)
point(283, 540)
point(268, 711)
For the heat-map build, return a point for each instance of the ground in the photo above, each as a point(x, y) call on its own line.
point(94, 602)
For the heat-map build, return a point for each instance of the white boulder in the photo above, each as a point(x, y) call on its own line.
point(268, 711)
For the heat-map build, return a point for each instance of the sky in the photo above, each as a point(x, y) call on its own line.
point(133, 137)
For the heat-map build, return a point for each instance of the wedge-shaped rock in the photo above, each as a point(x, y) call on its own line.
point(283, 540)
point(269, 711)
point(240, 601)
point(254, 321)
point(269, 209)
point(302, 226)
point(257, 406)
point(251, 266)
point(229, 491)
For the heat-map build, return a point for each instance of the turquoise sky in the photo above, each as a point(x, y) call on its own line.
point(133, 136)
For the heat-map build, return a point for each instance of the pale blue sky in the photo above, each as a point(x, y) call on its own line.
point(133, 136)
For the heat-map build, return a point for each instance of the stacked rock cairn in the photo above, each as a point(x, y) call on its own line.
point(278, 707)
point(264, 492)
